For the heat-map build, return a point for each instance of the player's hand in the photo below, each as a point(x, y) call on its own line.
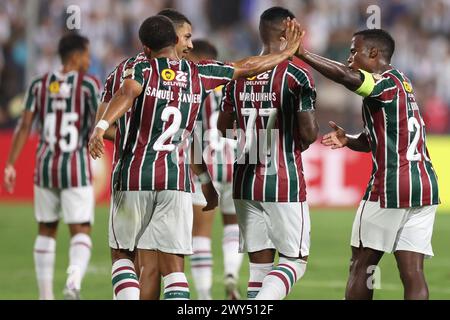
point(211, 196)
point(96, 144)
point(9, 179)
point(335, 139)
point(293, 35)
point(301, 49)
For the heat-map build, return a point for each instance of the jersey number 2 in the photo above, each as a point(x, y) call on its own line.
point(412, 153)
point(171, 131)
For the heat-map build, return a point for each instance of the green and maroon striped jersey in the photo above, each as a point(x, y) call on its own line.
point(162, 119)
point(218, 152)
point(403, 175)
point(112, 84)
point(64, 106)
point(269, 162)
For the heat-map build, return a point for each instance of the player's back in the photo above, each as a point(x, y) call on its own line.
point(269, 165)
point(162, 119)
point(64, 106)
point(403, 175)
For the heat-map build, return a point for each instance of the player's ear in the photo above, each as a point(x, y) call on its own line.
point(373, 53)
point(147, 51)
point(178, 40)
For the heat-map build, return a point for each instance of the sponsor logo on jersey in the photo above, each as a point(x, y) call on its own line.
point(260, 79)
point(168, 74)
point(54, 87)
point(407, 86)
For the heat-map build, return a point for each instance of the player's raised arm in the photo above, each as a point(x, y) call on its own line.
point(252, 66)
point(336, 71)
point(120, 103)
point(339, 139)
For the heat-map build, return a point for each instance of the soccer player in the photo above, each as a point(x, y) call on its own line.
point(64, 104)
point(397, 212)
point(117, 132)
point(276, 120)
point(219, 154)
point(153, 176)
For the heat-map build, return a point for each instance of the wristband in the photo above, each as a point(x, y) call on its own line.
point(204, 177)
point(103, 124)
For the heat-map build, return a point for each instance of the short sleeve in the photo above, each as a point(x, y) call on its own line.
point(92, 86)
point(108, 87)
point(136, 70)
point(376, 86)
point(214, 74)
point(31, 94)
point(301, 85)
point(226, 104)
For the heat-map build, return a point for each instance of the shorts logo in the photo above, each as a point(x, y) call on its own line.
point(168, 74)
point(54, 87)
point(407, 86)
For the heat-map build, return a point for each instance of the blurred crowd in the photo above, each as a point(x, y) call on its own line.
point(421, 30)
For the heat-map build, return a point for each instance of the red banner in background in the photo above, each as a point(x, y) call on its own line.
point(334, 177)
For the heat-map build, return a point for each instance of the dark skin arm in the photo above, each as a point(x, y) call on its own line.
point(19, 139)
point(253, 66)
point(339, 139)
point(120, 103)
point(333, 70)
point(308, 128)
point(224, 122)
point(110, 134)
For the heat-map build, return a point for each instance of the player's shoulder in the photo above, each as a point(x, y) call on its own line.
point(90, 80)
point(300, 71)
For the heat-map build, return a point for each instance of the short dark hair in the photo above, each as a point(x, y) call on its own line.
point(157, 32)
point(381, 39)
point(70, 43)
point(203, 47)
point(176, 17)
point(272, 16)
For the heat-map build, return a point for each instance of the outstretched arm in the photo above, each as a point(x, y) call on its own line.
point(118, 106)
point(333, 70)
point(339, 139)
point(19, 139)
point(252, 66)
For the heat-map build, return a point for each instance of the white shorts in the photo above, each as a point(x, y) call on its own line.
point(274, 225)
point(152, 220)
point(389, 230)
point(74, 205)
point(225, 191)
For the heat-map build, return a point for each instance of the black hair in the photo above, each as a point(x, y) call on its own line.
point(204, 48)
point(176, 17)
point(272, 16)
point(381, 39)
point(70, 43)
point(157, 32)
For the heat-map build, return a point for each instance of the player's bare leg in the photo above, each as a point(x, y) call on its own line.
point(202, 260)
point(44, 258)
point(150, 278)
point(362, 259)
point(261, 263)
point(79, 256)
point(171, 267)
point(410, 265)
point(278, 283)
point(232, 259)
point(124, 280)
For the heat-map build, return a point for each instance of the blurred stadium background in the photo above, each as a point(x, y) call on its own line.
point(29, 31)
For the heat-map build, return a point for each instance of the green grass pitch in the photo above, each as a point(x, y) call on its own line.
point(325, 277)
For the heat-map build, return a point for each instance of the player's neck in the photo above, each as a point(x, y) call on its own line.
point(168, 52)
point(271, 48)
point(69, 67)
